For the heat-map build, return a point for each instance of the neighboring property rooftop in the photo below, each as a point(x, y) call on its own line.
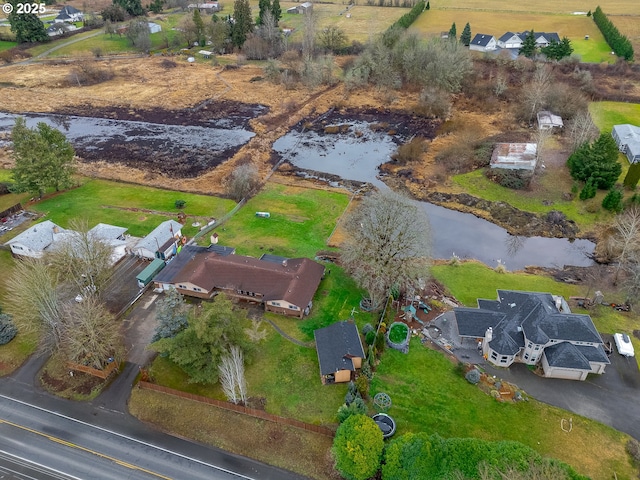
point(629, 137)
point(186, 254)
point(336, 345)
point(39, 236)
point(107, 232)
point(481, 40)
point(159, 235)
point(514, 156)
point(547, 120)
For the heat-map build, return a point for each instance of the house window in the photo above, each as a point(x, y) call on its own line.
point(17, 247)
point(494, 356)
point(503, 359)
point(197, 289)
point(293, 307)
point(530, 344)
point(275, 304)
point(533, 359)
point(526, 356)
point(537, 347)
point(182, 286)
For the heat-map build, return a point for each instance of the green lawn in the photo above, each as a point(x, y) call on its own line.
point(115, 203)
point(4, 45)
point(429, 396)
point(594, 50)
point(607, 114)
point(285, 374)
point(551, 189)
point(300, 223)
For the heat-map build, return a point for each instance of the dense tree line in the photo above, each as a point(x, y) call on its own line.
point(619, 43)
point(407, 19)
point(558, 50)
point(596, 164)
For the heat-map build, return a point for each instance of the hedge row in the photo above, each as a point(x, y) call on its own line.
point(618, 42)
point(407, 19)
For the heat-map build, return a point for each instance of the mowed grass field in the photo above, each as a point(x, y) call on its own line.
point(4, 45)
point(138, 208)
point(364, 21)
point(540, 6)
point(607, 114)
point(574, 27)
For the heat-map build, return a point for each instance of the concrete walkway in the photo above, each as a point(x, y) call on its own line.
point(291, 339)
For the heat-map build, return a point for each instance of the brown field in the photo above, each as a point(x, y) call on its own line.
point(629, 25)
point(540, 6)
point(574, 27)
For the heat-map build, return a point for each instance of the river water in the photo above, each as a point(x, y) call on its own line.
point(467, 236)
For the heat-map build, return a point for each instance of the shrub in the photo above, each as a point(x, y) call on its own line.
point(357, 407)
point(367, 328)
point(410, 151)
point(513, 179)
point(370, 337)
point(473, 376)
point(633, 449)
point(179, 204)
point(366, 371)
point(362, 383)
point(89, 73)
point(414, 455)
point(433, 102)
point(8, 329)
point(243, 181)
point(589, 190)
point(357, 448)
point(632, 176)
point(613, 201)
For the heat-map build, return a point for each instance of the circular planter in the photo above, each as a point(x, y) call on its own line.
point(386, 424)
point(398, 337)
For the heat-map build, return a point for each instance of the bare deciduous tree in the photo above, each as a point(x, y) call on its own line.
point(309, 35)
point(232, 378)
point(581, 129)
point(243, 181)
point(91, 336)
point(34, 301)
point(332, 38)
point(82, 260)
point(626, 240)
point(255, 333)
point(389, 244)
point(535, 92)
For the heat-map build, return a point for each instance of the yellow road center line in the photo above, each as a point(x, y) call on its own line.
point(84, 449)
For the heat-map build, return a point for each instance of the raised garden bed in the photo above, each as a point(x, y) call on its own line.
point(398, 337)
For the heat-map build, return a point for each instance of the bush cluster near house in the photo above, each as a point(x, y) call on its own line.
point(596, 164)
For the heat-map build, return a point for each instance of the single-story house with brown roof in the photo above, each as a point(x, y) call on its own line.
point(285, 287)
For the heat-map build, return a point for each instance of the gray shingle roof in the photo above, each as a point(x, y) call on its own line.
point(629, 135)
point(107, 232)
point(39, 236)
point(481, 39)
point(159, 236)
point(335, 345)
point(566, 355)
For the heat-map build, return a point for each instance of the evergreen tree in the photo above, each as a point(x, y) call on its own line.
point(156, 6)
point(613, 201)
point(452, 32)
point(27, 27)
point(199, 27)
point(558, 50)
point(43, 158)
point(171, 314)
point(528, 48)
point(597, 163)
point(132, 7)
point(263, 7)
point(242, 24)
point(589, 190)
point(276, 11)
point(465, 37)
point(428, 7)
point(589, 13)
point(632, 177)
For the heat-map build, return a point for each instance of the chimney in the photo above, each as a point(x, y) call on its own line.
point(488, 336)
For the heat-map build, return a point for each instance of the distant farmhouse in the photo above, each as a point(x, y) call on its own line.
point(514, 40)
point(627, 138)
point(301, 9)
point(515, 156)
point(535, 329)
point(207, 8)
point(56, 29)
point(483, 43)
point(70, 15)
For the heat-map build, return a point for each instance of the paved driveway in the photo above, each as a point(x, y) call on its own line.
point(612, 398)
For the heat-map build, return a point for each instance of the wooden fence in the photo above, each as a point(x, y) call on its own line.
point(11, 210)
point(239, 409)
point(93, 371)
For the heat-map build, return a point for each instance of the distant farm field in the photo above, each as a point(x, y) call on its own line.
point(540, 6)
point(362, 22)
point(629, 25)
point(574, 27)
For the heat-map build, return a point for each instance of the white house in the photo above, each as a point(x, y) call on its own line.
point(207, 8)
point(69, 14)
point(483, 43)
point(113, 236)
point(627, 138)
point(36, 239)
point(510, 40)
point(542, 39)
point(535, 329)
point(161, 242)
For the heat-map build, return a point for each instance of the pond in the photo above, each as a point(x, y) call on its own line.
point(177, 150)
point(357, 154)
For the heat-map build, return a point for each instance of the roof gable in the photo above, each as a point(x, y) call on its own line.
point(566, 355)
point(159, 236)
point(39, 236)
point(336, 345)
point(481, 39)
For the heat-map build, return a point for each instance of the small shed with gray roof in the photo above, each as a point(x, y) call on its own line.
point(161, 242)
point(627, 138)
point(340, 352)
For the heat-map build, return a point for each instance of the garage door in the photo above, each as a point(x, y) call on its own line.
point(566, 373)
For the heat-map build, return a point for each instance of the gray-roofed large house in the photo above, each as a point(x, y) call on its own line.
point(542, 39)
point(36, 239)
point(536, 329)
point(483, 43)
point(627, 138)
point(69, 14)
point(161, 242)
point(510, 40)
point(340, 352)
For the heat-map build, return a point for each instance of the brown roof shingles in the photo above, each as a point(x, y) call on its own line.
point(294, 281)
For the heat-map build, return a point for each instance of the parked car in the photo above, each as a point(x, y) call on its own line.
point(623, 344)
